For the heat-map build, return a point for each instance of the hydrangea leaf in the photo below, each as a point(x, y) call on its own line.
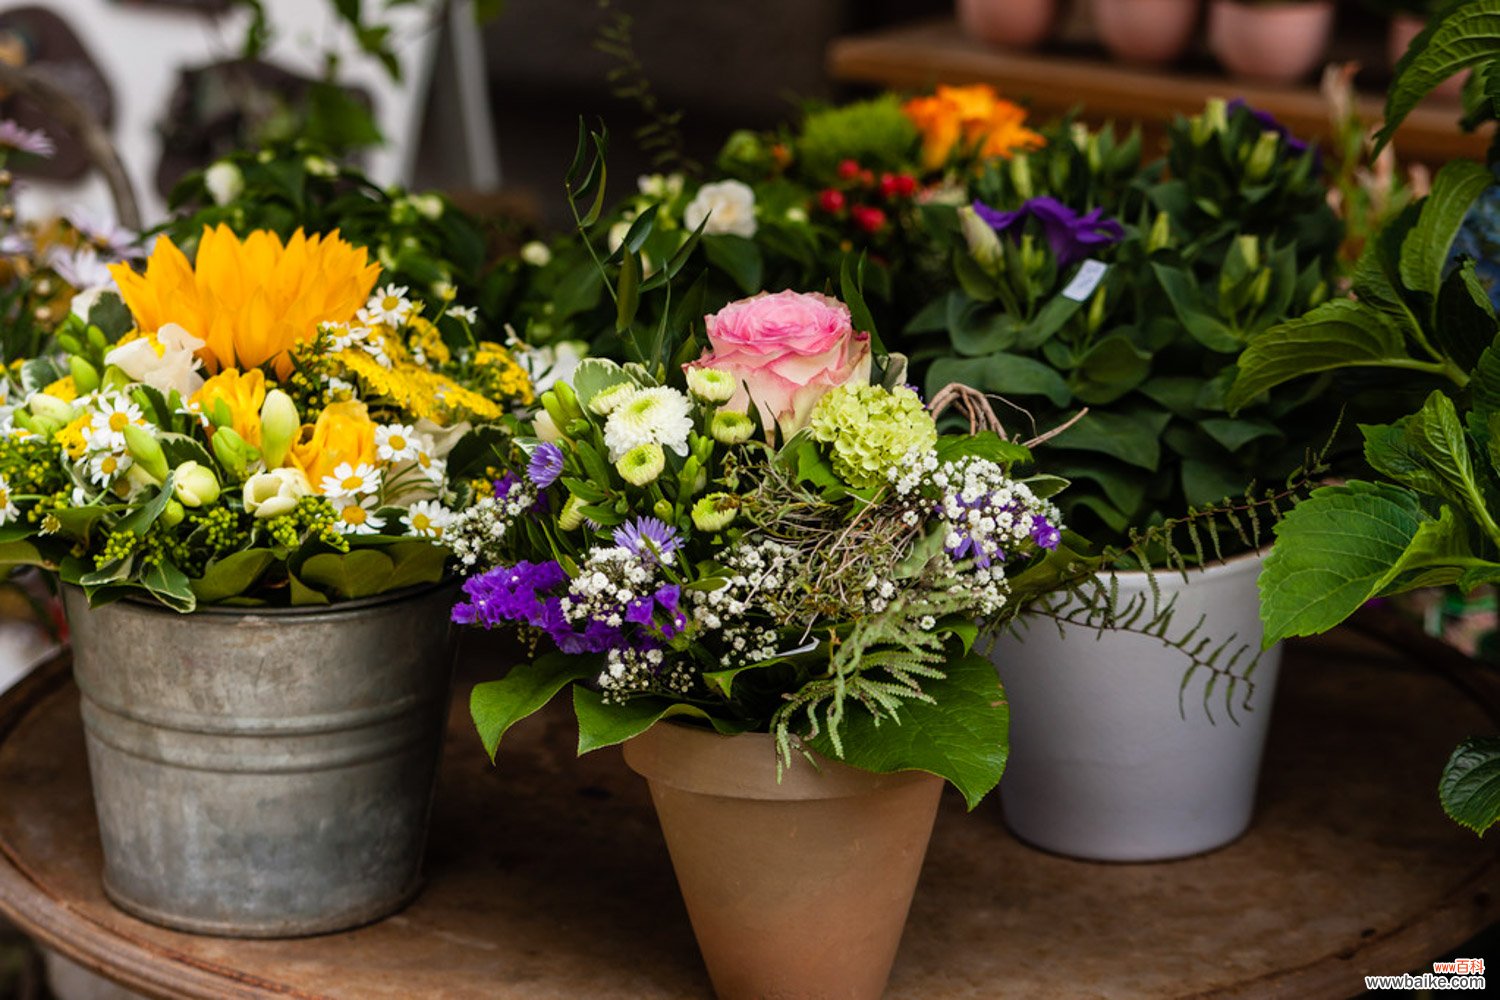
point(232, 575)
point(349, 575)
point(962, 736)
point(1470, 786)
point(1463, 36)
point(1337, 334)
point(495, 706)
point(603, 725)
point(1424, 254)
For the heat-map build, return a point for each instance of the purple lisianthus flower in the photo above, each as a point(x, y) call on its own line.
point(648, 538)
point(1071, 236)
point(1268, 123)
point(25, 140)
point(545, 466)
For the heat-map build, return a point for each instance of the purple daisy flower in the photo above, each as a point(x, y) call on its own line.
point(1071, 236)
point(648, 538)
point(545, 466)
point(25, 140)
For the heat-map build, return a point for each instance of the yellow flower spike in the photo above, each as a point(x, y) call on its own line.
point(250, 300)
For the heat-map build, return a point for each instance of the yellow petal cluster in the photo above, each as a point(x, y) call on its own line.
point(251, 301)
point(969, 119)
point(424, 394)
point(243, 393)
point(344, 433)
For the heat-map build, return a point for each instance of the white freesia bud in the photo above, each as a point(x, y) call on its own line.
point(983, 242)
point(274, 493)
point(224, 182)
point(195, 485)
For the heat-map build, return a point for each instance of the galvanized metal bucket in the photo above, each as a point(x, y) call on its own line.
point(264, 772)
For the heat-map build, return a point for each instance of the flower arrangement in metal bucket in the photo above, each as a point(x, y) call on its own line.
point(773, 537)
point(260, 426)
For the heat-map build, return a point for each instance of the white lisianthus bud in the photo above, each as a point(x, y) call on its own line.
point(983, 241)
point(224, 182)
point(274, 493)
point(710, 385)
point(545, 427)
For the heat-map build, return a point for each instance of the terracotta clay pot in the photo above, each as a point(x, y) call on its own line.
point(1405, 27)
point(1279, 43)
point(795, 889)
point(1151, 32)
point(1016, 24)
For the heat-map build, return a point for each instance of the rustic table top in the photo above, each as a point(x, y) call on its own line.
point(548, 876)
point(1053, 82)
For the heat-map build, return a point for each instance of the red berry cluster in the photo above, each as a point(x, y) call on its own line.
point(860, 183)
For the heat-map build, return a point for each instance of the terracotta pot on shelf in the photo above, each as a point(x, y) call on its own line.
point(1270, 43)
point(1016, 24)
point(798, 888)
point(1151, 32)
point(1405, 27)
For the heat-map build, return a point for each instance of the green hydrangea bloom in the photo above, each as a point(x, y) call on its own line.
point(871, 430)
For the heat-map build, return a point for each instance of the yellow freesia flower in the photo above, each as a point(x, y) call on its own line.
point(243, 393)
point(250, 301)
point(344, 433)
point(969, 119)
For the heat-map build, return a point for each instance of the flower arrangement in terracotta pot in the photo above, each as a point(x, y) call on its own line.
point(1272, 41)
point(760, 566)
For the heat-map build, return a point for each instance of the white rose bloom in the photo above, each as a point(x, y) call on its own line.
point(274, 493)
point(166, 361)
point(224, 182)
point(729, 207)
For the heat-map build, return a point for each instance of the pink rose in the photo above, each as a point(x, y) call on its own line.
point(789, 349)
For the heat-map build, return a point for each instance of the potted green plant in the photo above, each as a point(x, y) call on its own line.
point(1152, 32)
point(759, 570)
point(241, 474)
point(1270, 41)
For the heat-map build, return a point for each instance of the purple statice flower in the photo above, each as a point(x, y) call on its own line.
point(25, 140)
point(1044, 532)
point(1268, 123)
point(545, 466)
point(1071, 236)
point(512, 594)
point(648, 538)
point(642, 610)
point(505, 484)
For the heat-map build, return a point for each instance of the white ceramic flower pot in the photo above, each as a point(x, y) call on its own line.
point(1150, 32)
point(1270, 43)
point(1105, 762)
point(1015, 24)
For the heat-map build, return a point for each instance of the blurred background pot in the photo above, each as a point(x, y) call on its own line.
point(1405, 27)
point(795, 889)
point(263, 772)
point(1150, 32)
point(1112, 758)
point(1016, 24)
point(1270, 42)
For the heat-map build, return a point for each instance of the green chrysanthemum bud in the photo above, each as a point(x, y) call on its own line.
point(146, 451)
point(729, 427)
point(642, 464)
point(279, 426)
point(571, 518)
point(711, 385)
point(716, 511)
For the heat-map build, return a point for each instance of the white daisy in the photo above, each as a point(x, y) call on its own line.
point(660, 415)
point(435, 469)
point(395, 443)
point(466, 313)
point(356, 515)
point(342, 337)
point(8, 506)
point(389, 306)
point(106, 429)
point(338, 387)
point(105, 469)
point(427, 518)
point(348, 480)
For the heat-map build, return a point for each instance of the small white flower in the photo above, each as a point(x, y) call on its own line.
point(536, 253)
point(8, 509)
point(395, 443)
point(427, 518)
point(338, 387)
point(356, 515)
point(659, 415)
point(435, 469)
point(347, 481)
point(389, 306)
point(342, 337)
point(106, 427)
point(104, 469)
point(729, 207)
point(466, 313)
point(224, 182)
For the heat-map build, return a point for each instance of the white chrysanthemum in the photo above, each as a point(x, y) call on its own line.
point(348, 480)
point(427, 518)
point(357, 515)
point(105, 469)
point(661, 416)
point(8, 509)
point(389, 306)
point(396, 443)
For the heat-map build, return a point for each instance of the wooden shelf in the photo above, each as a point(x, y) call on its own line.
point(915, 57)
point(548, 876)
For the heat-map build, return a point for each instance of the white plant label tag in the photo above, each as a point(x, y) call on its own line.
point(1090, 273)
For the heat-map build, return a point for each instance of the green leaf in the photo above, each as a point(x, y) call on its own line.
point(1436, 437)
point(1235, 433)
point(232, 575)
point(1465, 324)
point(495, 706)
point(627, 292)
point(1463, 35)
point(963, 736)
point(349, 575)
point(1133, 436)
point(416, 562)
point(1470, 786)
point(170, 586)
point(1002, 373)
point(21, 553)
point(1332, 552)
point(1186, 295)
point(1424, 254)
point(1110, 369)
point(594, 375)
point(1337, 334)
point(601, 724)
point(737, 257)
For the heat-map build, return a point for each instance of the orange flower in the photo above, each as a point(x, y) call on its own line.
point(243, 393)
point(972, 120)
point(344, 433)
point(250, 302)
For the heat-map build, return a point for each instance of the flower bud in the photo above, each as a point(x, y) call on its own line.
point(1262, 156)
point(568, 398)
point(1260, 288)
point(716, 511)
point(1161, 233)
point(85, 375)
point(642, 464)
point(233, 451)
point(172, 514)
point(606, 400)
point(114, 379)
point(544, 427)
point(219, 413)
point(274, 493)
point(536, 253)
point(1213, 119)
point(146, 451)
point(1020, 176)
point(1097, 311)
point(692, 478)
point(50, 410)
point(571, 517)
point(710, 385)
point(279, 427)
point(224, 181)
point(983, 241)
point(1249, 248)
point(1079, 133)
point(729, 427)
point(195, 485)
point(663, 510)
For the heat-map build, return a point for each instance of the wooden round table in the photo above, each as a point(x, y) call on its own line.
point(548, 877)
